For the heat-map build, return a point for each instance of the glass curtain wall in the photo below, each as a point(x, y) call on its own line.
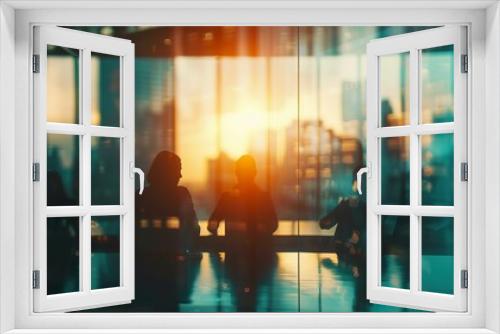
point(271, 116)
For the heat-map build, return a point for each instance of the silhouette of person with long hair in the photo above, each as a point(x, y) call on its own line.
point(165, 199)
point(250, 220)
point(167, 242)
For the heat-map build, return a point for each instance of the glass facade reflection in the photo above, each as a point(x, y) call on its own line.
point(106, 103)
point(437, 254)
point(395, 170)
point(105, 248)
point(105, 171)
point(395, 248)
point(437, 84)
point(63, 79)
point(437, 162)
point(271, 116)
point(63, 255)
point(63, 170)
point(394, 89)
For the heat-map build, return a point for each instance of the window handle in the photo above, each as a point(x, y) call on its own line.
point(359, 179)
point(134, 170)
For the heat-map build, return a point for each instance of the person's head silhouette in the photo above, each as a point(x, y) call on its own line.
point(165, 170)
point(246, 170)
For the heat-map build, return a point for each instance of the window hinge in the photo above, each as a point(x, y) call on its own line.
point(36, 63)
point(464, 171)
point(464, 280)
point(36, 172)
point(36, 279)
point(465, 63)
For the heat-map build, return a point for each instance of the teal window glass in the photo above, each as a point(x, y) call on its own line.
point(437, 81)
point(395, 170)
point(105, 89)
point(395, 266)
point(105, 171)
point(437, 169)
point(63, 255)
point(63, 168)
point(437, 254)
point(105, 261)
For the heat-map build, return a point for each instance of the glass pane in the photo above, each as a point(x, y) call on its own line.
point(105, 90)
point(394, 89)
point(63, 84)
point(63, 168)
point(395, 252)
point(395, 170)
point(437, 254)
point(63, 265)
point(437, 84)
point(105, 263)
point(105, 171)
point(437, 169)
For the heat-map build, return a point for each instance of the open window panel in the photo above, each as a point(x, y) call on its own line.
point(416, 156)
point(83, 170)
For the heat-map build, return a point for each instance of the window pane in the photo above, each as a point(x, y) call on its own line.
point(63, 84)
point(105, 262)
point(395, 252)
point(437, 84)
point(63, 168)
point(105, 90)
point(394, 89)
point(437, 169)
point(105, 171)
point(63, 265)
point(437, 254)
point(395, 170)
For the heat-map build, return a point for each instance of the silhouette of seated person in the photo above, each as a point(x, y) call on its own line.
point(350, 217)
point(250, 220)
point(167, 231)
point(350, 244)
point(168, 205)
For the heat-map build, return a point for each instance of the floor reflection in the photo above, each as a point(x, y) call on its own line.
point(326, 285)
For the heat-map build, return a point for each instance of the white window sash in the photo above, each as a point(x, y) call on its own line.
point(414, 297)
point(86, 43)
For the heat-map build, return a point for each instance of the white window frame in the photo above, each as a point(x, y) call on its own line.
point(16, 20)
point(85, 43)
point(412, 44)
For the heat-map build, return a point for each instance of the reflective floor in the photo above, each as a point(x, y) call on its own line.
point(325, 285)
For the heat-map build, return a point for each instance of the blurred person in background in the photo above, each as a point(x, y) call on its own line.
point(250, 220)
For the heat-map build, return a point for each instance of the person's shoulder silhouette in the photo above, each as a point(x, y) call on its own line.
point(246, 206)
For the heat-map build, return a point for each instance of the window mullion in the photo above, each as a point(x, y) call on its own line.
point(414, 173)
point(85, 242)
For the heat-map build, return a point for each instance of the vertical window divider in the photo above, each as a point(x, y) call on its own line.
point(127, 221)
point(81, 182)
point(123, 174)
point(86, 234)
point(414, 171)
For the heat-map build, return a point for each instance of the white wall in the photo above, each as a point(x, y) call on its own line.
point(492, 162)
point(7, 178)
